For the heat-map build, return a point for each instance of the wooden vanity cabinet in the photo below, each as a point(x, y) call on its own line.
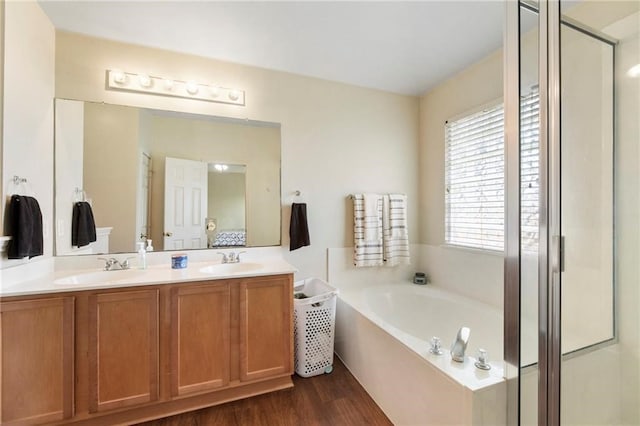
point(127, 355)
point(200, 337)
point(123, 349)
point(266, 328)
point(37, 360)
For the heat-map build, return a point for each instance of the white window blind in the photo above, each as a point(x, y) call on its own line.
point(529, 170)
point(474, 178)
point(474, 170)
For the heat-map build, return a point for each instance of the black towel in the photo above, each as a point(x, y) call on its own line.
point(25, 227)
point(298, 228)
point(83, 226)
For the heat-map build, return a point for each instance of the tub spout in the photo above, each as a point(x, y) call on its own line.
point(460, 344)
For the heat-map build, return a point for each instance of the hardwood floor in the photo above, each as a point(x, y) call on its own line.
point(334, 399)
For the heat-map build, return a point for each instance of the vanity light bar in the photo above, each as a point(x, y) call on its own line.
point(144, 83)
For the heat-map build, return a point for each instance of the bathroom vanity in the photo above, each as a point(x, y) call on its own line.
point(120, 354)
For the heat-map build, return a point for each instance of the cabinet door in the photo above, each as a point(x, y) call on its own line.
point(37, 360)
point(123, 349)
point(266, 330)
point(200, 332)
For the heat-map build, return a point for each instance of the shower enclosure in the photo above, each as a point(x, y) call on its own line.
point(572, 329)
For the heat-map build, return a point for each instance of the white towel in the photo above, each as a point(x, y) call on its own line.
point(367, 230)
point(395, 234)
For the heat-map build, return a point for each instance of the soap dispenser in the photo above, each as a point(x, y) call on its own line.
point(149, 246)
point(142, 256)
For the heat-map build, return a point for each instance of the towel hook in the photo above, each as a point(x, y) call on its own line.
point(17, 180)
point(80, 194)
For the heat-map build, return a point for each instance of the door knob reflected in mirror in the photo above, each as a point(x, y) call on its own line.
point(167, 234)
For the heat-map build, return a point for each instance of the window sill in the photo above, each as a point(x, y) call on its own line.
point(497, 253)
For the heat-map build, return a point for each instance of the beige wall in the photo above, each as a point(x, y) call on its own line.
point(336, 139)
point(227, 200)
point(111, 150)
point(29, 58)
point(627, 196)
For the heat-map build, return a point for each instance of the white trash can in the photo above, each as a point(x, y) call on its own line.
point(314, 318)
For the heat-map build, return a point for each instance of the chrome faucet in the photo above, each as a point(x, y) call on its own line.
point(231, 257)
point(459, 346)
point(113, 264)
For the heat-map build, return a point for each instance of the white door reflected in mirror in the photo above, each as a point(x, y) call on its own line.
point(185, 204)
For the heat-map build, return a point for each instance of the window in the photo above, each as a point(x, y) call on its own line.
point(474, 170)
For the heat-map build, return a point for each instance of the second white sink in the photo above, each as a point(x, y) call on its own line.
point(231, 268)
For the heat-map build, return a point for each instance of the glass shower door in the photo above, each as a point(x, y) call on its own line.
point(598, 203)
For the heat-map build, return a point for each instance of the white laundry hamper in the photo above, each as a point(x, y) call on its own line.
point(314, 318)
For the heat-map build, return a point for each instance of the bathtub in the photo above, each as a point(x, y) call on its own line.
point(382, 336)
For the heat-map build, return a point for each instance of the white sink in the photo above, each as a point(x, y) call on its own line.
point(100, 277)
point(231, 268)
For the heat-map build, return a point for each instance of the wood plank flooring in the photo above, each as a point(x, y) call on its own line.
point(335, 399)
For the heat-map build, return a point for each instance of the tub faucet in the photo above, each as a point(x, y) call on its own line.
point(460, 344)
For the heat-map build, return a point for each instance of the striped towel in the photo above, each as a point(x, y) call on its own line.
point(395, 235)
point(367, 230)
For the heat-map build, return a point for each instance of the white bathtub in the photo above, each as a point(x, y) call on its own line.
point(382, 335)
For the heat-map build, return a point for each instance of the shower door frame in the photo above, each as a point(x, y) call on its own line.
point(549, 254)
point(512, 209)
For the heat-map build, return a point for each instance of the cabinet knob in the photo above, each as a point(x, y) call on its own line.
point(167, 234)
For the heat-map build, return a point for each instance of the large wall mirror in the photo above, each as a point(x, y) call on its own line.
point(183, 181)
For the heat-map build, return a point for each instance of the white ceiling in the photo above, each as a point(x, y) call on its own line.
point(401, 47)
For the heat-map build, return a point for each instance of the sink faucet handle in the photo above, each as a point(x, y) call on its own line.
point(238, 255)
point(108, 263)
point(125, 263)
point(225, 259)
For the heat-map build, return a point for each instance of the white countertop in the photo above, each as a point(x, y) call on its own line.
point(153, 275)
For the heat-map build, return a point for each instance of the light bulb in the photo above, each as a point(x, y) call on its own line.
point(144, 80)
point(215, 91)
point(168, 84)
point(192, 88)
point(234, 95)
point(119, 77)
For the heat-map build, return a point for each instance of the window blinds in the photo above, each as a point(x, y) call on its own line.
point(474, 178)
point(529, 170)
